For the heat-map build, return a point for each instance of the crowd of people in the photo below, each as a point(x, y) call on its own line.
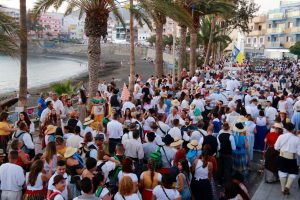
point(166, 140)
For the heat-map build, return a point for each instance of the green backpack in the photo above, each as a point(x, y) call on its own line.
point(156, 156)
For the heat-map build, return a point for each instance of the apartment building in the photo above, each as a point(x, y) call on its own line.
point(255, 40)
point(283, 29)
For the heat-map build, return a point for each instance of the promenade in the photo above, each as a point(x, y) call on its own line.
point(273, 192)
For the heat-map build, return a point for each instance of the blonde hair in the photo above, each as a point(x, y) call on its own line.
point(126, 186)
point(50, 151)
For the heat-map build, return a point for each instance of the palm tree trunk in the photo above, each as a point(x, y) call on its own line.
point(212, 29)
point(94, 52)
point(132, 55)
point(193, 54)
point(182, 50)
point(159, 62)
point(23, 56)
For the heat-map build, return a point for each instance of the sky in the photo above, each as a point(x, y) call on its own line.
point(265, 5)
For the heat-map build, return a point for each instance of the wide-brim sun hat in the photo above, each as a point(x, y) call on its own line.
point(177, 142)
point(50, 129)
point(194, 145)
point(277, 125)
point(239, 127)
point(70, 151)
point(175, 102)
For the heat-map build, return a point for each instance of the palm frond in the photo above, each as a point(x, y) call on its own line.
point(141, 17)
point(43, 5)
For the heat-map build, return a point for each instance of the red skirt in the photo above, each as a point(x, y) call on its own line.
point(163, 170)
point(147, 194)
point(35, 194)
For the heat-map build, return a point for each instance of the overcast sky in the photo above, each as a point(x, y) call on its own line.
point(265, 5)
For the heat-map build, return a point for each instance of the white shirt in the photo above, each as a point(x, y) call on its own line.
point(11, 177)
point(252, 110)
point(58, 106)
point(58, 196)
point(231, 139)
point(160, 194)
point(170, 119)
point(133, 176)
point(147, 123)
point(74, 141)
point(271, 113)
point(44, 115)
point(175, 132)
point(128, 136)
point(248, 98)
point(133, 196)
point(185, 104)
point(133, 148)
point(106, 168)
point(52, 188)
point(38, 183)
point(27, 140)
point(163, 126)
point(288, 142)
point(114, 129)
point(127, 104)
point(199, 104)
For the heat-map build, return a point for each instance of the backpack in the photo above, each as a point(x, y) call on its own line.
point(52, 195)
point(156, 155)
point(99, 167)
point(141, 131)
point(87, 152)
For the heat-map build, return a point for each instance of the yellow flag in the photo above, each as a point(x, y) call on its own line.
point(240, 58)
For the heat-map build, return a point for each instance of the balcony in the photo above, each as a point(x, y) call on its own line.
point(295, 30)
point(258, 32)
point(276, 16)
point(294, 14)
point(274, 45)
point(275, 31)
point(259, 19)
point(288, 44)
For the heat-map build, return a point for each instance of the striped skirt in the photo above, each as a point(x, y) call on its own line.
point(35, 195)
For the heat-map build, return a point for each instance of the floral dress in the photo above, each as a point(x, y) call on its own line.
point(98, 109)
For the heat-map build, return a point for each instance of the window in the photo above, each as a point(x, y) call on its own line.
point(269, 39)
point(259, 27)
point(261, 40)
point(290, 24)
point(248, 40)
point(270, 25)
point(254, 40)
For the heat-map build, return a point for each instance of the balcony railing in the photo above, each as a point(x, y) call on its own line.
point(258, 32)
point(274, 44)
point(275, 30)
point(259, 19)
point(295, 30)
point(293, 14)
point(276, 16)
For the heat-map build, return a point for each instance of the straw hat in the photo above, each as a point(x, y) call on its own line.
point(278, 125)
point(177, 142)
point(194, 145)
point(164, 95)
point(239, 127)
point(70, 151)
point(50, 129)
point(175, 102)
point(87, 121)
point(241, 119)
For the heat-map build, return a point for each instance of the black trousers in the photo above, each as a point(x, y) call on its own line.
point(112, 145)
point(225, 168)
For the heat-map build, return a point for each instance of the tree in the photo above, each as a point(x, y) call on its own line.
point(9, 33)
point(23, 56)
point(159, 10)
point(151, 40)
point(97, 13)
point(295, 49)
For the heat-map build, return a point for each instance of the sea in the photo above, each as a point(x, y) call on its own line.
point(41, 71)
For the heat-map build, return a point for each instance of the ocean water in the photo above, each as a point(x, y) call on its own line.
point(40, 71)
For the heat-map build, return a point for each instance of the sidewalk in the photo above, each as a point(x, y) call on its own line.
point(273, 192)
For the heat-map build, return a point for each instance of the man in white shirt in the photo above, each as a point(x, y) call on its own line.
point(198, 102)
point(74, 140)
point(252, 109)
point(60, 170)
point(174, 115)
point(232, 116)
point(46, 111)
point(248, 98)
point(289, 146)
point(114, 132)
point(12, 178)
point(163, 128)
point(133, 147)
point(176, 132)
point(58, 105)
point(59, 183)
point(23, 136)
point(271, 113)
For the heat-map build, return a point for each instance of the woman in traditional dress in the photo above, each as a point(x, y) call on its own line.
point(35, 180)
point(240, 158)
point(271, 155)
point(251, 131)
point(98, 109)
point(262, 130)
point(149, 180)
point(82, 100)
point(5, 130)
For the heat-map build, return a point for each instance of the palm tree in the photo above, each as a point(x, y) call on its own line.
point(138, 13)
point(159, 10)
point(9, 32)
point(97, 13)
point(219, 38)
point(199, 9)
point(23, 56)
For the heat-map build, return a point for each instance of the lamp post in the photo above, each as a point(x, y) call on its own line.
point(174, 52)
